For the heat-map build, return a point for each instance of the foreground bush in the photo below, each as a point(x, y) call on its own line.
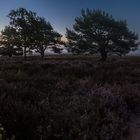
point(96, 115)
point(67, 100)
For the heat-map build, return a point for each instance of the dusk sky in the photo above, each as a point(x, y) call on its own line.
point(61, 13)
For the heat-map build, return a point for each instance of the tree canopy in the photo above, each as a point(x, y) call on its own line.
point(43, 35)
point(96, 31)
point(27, 30)
point(10, 41)
point(21, 21)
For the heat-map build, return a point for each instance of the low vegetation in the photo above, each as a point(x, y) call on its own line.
point(68, 98)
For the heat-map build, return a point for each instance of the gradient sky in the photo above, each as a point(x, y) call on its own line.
point(61, 13)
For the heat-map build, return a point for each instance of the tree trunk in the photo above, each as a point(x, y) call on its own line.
point(103, 54)
point(24, 53)
point(10, 55)
point(42, 54)
point(10, 51)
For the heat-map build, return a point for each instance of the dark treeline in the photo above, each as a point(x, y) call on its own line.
point(95, 31)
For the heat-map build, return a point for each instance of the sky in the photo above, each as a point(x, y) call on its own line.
point(61, 13)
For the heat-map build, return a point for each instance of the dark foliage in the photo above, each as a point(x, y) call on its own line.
point(28, 31)
point(10, 43)
point(96, 31)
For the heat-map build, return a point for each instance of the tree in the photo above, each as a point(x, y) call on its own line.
point(20, 20)
point(43, 35)
point(96, 31)
point(33, 31)
point(9, 41)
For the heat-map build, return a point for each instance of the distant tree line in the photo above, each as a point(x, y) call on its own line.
point(95, 31)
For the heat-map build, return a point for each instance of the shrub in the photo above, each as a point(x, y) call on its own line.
point(98, 114)
point(67, 100)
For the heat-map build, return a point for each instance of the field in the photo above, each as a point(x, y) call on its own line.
point(68, 98)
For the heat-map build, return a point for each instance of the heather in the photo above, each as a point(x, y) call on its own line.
point(68, 98)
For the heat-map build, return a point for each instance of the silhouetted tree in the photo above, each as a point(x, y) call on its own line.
point(33, 31)
point(96, 31)
point(43, 35)
point(10, 41)
point(20, 20)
